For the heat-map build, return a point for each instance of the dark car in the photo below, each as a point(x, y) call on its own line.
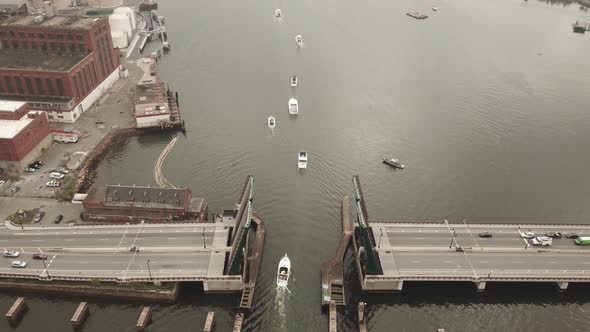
point(554, 235)
point(571, 236)
point(58, 219)
point(38, 162)
point(485, 234)
point(39, 256)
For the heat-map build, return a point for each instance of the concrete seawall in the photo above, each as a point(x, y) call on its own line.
point(164, 296)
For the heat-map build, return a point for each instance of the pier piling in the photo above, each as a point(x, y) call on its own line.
point(80, 315)
point(333, 317)
point(210, 322)
point(145, 318)
point(238, 322)
point(361, 317)
point(15, 312)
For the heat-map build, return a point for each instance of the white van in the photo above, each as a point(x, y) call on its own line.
point(65, 138)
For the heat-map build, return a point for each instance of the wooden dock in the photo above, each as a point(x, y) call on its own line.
point(145, 318)
point(15, 312)
point(80, 315)
point(210, 322)
point(332, 269)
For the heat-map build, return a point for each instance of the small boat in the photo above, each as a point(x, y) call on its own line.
point(299, 40)
point(272, 122)
point(302, 160)
point(278, 13)
point(393, 163)
point(434, 9)
point(293, 106)
point(283, 271)
point(416, 15)
point(294, 81)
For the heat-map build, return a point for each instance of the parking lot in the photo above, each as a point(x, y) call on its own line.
point(114, 110)
point(51, 207)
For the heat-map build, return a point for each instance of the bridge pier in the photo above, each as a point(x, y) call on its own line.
point(480, 285)
point(562, 286)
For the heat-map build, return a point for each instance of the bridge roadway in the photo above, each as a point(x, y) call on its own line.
point(176, 252)
point(429, 251)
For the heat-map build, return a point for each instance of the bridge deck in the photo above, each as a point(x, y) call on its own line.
point(429, 251)
point(176, 252)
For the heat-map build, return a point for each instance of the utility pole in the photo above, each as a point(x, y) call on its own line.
point(204, 243)
point(149, 270)
point(46, 270)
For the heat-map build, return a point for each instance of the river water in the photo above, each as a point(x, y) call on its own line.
point(485, 102)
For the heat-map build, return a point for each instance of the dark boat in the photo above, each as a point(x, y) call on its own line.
point(393, 163)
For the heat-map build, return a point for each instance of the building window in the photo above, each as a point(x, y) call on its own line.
point(49, 84)
point(60, 36)
point(60, 87)
point(39, 86)
point(78, 37)
point(82, 47)
point(29, 85)
point(21, 34)
point(9, 86)
point(19, 86)
point(70, 36)
point(40, 35)
point(50, 36)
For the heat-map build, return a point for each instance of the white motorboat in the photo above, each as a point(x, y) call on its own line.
point(302, 160)
point(283, 271)
point(293, 106)
point(299, 40)
point(294, 81)
point(278, 13)
point(434, 9)
point(272, 122)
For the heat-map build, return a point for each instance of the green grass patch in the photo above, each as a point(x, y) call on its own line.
point(25, 217)
point(67, 191)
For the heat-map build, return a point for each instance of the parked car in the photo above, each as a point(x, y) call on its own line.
point(11, 253)
point(19, 264)
point(53, 183)
point(40, 256)
point(554, 235)
point(58, 219)
point(542, 241)
point(56, 175)
point(527, 235)
point(38, 216)
point(485, 234)
point(30, 169)
point(571, 235)
point(2, 182)
point(14, 189)
point(38, 162)
point(63, 170)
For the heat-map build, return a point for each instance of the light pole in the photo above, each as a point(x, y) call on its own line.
point(149, 271)
point(46, 270)
point(204, 243)
point(380, 236)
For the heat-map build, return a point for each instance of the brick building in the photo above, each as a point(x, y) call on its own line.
point(132, 203)
point(24, 135)
point(60, 65)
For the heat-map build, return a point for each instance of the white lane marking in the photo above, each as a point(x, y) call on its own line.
point(37, 240)
point(69, 240)
point(103, 239)
point(416, 261)
point(3, 240)
point(483, 262)
point(171, 238)
point(448, 262)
